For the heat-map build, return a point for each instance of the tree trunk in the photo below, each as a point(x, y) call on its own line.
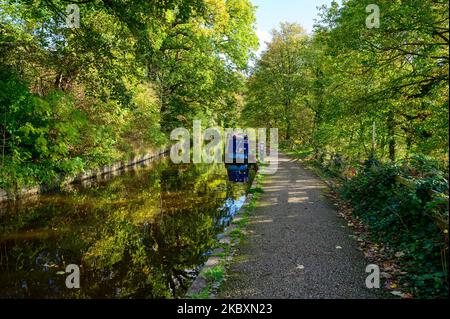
point(288, 130)
point(391, 133)
point(288, 120)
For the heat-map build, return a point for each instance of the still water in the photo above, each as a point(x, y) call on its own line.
point(142, 234)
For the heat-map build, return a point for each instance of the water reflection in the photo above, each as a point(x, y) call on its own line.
point(142, 234)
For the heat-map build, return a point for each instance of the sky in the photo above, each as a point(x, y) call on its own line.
point(270, 13)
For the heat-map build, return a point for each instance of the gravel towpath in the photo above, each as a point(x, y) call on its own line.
point(297, 246)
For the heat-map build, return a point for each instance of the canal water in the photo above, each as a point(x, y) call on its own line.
point(142, 234)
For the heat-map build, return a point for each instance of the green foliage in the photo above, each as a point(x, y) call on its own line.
point(76, 99)
point(410, 219)
point(276, 88)
point(204, 294)
point(214, 274)
point(256, 190)
point(236, 233)
point(346, 82)
point(38, 134)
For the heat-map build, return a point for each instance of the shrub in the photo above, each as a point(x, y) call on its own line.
point(411, 218)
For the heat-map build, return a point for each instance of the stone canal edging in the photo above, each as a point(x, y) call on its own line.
point(201, 284)
point(89, 174)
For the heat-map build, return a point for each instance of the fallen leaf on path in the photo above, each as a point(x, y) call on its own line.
point(398, 294)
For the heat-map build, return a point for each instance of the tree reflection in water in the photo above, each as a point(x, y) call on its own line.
point(142, 234)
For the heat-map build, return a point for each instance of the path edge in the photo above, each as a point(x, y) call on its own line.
point(201, 288)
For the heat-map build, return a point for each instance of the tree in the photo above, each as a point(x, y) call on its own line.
point(132, 71)
point(397, 73)
point(277, 85)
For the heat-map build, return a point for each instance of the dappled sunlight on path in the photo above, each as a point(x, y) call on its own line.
point(291, 251)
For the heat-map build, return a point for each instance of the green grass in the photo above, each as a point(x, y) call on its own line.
point(215, 274)
point(204, 294)
point(243, 221)
point(220, 255)
point(236, 233)
point(299, 153)
point(255, 190)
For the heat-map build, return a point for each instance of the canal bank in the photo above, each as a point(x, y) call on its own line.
point(212, 273)
point(87, 175)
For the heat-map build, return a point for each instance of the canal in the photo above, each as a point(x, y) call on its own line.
point(141, 234)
